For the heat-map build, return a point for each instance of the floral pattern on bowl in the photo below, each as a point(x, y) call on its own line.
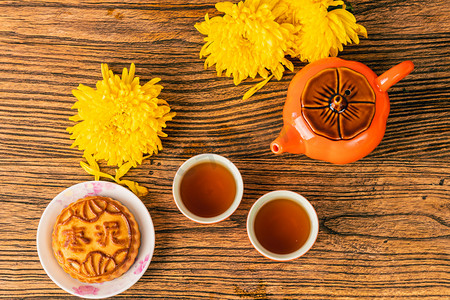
point(84, 290)
point(142, 265)
point(109, 288)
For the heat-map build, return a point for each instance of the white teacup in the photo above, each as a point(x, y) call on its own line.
point(207, 158)
point(298, 199)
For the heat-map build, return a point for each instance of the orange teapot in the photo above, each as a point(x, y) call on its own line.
point(336, 110)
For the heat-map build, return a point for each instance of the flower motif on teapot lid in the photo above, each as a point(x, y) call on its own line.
point(338, 103)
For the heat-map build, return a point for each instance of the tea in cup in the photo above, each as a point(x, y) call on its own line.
point(282, 225)
point(207, 188)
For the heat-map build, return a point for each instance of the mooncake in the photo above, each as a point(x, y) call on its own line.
point(96, 239)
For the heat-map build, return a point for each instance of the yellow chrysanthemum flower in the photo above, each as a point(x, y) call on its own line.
point(325, 27)
point(119, 122)
point(253, 37)
point(247, 40)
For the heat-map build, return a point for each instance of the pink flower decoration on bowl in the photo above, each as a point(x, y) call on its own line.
point(142, 264)
point(97, 188)
point(86, 290)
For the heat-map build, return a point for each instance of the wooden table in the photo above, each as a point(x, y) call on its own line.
point(384, 220)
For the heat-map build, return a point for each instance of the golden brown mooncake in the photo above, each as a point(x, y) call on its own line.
point(96, 239)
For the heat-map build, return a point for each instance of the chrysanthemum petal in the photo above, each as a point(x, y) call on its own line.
point(94, 172)
point(120, 172)
point(140, 191)
point(361, 30)
point(256, 88)
point(224, 7)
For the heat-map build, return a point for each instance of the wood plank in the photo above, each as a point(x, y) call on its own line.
point(384, 220)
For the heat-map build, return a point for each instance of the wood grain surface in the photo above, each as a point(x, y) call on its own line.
point(384, 220)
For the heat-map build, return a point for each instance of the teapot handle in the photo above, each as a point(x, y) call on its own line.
point(394, 75)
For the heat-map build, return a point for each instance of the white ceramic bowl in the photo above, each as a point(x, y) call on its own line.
point(109, 288)
point(314, 222)
point(203, 158)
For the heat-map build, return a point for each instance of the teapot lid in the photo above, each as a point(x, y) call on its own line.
point(338, 103)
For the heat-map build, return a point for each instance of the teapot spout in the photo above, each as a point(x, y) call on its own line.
point(394, 75)
point(289, 140)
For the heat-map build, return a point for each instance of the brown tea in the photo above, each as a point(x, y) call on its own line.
point(208, 189)
point(282, 226)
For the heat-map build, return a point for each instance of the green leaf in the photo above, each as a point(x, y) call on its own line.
point(348, 7)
